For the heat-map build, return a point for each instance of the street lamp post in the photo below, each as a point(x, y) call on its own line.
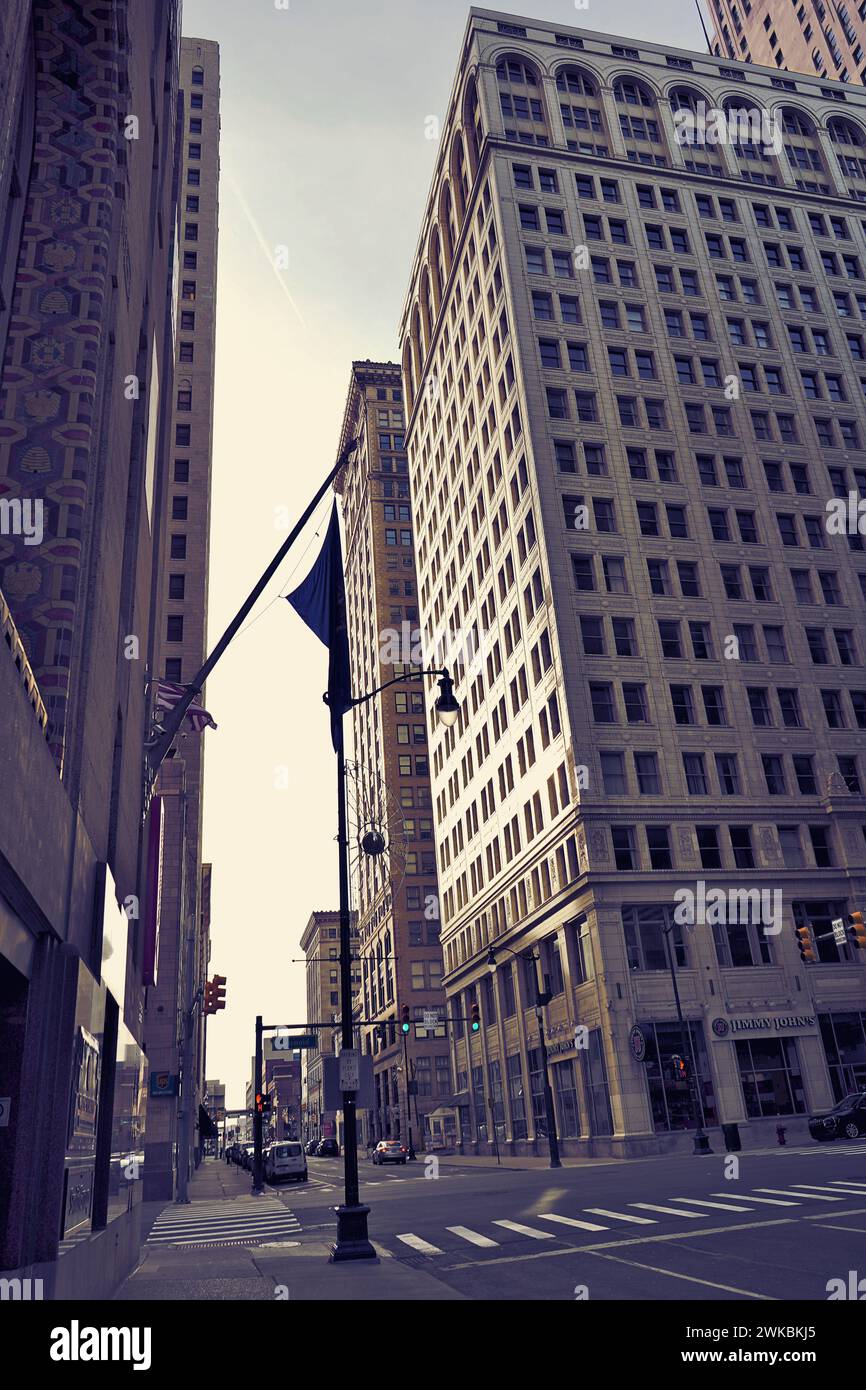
point(701, 1143)
point(541, 998)
point(352, 1241)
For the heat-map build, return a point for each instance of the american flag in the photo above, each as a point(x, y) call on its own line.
point(167, 696)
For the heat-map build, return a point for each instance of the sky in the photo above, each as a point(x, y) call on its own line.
point(325, 169)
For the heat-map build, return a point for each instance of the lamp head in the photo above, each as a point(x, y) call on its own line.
point(447, 706)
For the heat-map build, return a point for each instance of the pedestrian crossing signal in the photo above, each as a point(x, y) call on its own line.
point(475, 1018)
point(806, 943)
point(857, 930)
point(264, 1103)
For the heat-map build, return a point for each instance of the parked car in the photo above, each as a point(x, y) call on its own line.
point(247, 1154)
point(284, 1161)
point(311, 1146)
point(328, 1148)
point(846, 1120)
point(390, 1151)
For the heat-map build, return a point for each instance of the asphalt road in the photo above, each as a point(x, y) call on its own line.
point(780, 1226)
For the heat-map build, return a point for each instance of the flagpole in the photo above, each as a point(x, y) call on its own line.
point(156, 754)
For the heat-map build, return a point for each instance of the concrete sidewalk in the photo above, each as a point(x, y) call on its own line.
point(277, 1271)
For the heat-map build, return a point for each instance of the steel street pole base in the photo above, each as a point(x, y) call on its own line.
point(702, 1144)
point(352, 1242)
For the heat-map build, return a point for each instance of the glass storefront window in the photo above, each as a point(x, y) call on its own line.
point(844, 1038)
point(536, 1090)
point(771, 1077)
point(670, 1100)
point(479, 1104)
point(515, 1095)
point(565, 1090)
point(595, 1080)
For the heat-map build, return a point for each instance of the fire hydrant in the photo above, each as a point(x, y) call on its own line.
point(780, 1134)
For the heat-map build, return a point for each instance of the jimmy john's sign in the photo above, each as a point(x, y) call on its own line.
point(763, 1023)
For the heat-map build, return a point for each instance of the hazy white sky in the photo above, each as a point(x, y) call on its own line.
point(324, 153)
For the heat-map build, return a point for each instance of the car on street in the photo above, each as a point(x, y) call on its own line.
point(847, 1120)
point(328, 1148)
point(390, 1151)
point(311, 1146)
point(247, 1152)
point(285, 1161)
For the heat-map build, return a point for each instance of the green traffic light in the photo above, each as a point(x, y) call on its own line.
point(475, 1026)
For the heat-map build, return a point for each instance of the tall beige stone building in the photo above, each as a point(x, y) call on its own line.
point(397, 893)
point(180, 614)
point(635, 376)
point(811, 37)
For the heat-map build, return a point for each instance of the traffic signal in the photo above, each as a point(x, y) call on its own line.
point(474, 1018)
point(264, 1103)
point(214, 994)
point(857, 930)
point(405, 1025)
point(806, 943)
point(679, 1070)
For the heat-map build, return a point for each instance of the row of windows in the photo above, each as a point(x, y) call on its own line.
point(644, 771)
point(671, 519)
point(610, 701)
point(730, 846)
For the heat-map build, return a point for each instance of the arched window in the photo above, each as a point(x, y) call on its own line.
point(803, 150)
point(849, 143)
point(691, 114)
point(184, 394)
point(747, 134)
point(582, 112)
point(198, 77)
point(428, 317)
point(472, 126)
point(522, 104)
point(437, 269)
point(639, 123)
point(448, 225)
point(460, 176)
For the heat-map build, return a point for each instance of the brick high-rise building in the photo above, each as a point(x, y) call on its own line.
point(180, 606)
point(88, 102)
point(635, 376)
point(827, 40)
point(397, 893)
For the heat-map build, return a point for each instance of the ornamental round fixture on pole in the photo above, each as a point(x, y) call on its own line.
point(491, 960)
point(447, 706)
point(373, 843)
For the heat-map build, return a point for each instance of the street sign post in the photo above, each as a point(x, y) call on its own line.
point(350, 1069)
point(840, 936)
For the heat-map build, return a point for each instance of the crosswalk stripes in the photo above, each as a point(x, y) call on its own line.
point(762, 1201)
point(474, 1237)
point(621, 1216)
point(825, 1150)
point(796, 1195)
point(242, 1221)
point(784, 1192)
point(717, 1206)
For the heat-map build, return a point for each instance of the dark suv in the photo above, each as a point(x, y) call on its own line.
point(846, 1120)
point(328, 1148)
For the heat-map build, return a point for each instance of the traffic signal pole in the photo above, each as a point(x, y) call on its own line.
point(258, 1186)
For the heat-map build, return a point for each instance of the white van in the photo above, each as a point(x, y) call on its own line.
point(286, 1160)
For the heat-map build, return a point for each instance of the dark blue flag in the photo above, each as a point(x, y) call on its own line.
point(321, 602)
